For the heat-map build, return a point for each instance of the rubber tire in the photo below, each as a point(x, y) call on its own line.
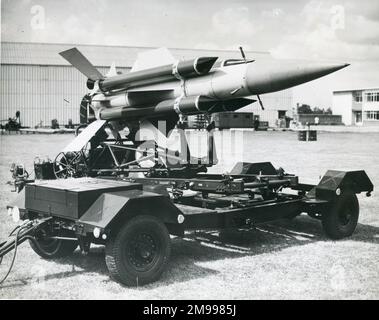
point(59, 249)
point(331, 223)
point(115, 249)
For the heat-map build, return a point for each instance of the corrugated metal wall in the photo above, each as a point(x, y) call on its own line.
point(42, 93)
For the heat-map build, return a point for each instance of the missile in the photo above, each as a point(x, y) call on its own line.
point(185, 106)
point(191, 86)
point(227, 83)
point(177, 71)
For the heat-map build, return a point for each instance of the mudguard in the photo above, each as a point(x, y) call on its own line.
point(113, 207)
point(348, 182)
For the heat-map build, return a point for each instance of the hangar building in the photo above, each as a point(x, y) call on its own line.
point(39, 83)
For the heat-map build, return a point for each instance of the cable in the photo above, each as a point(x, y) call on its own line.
point(14, 230)
point(20, 228)
point(1, 258)
point(13, 259)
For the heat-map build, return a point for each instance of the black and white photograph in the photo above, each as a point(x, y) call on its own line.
point(201, 151)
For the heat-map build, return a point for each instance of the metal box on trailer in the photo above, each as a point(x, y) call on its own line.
point(70, 198)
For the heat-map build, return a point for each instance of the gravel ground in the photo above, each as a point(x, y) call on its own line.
point(283, 260)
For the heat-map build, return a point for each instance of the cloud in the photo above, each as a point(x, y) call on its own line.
point(84, 29)
point(234, 22)
point(360, 30)
point(273, 13)
point(329, 32)
point(366, 8)
point(324, 31)
point(230, 28)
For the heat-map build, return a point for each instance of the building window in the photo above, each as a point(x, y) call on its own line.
point(371, 115)
point(358, 97)
point(372, 97)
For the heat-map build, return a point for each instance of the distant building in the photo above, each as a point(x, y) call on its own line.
point(227, 120)
point(357, 107)
point(277, 105)
point(39, 83)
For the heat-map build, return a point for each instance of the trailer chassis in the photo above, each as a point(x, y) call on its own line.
point(134, 210)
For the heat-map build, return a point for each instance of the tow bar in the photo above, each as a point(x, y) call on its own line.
point(21, 233)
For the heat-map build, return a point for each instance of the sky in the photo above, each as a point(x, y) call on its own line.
point(329, 30)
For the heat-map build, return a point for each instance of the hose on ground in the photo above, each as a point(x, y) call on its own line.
point(19, 228)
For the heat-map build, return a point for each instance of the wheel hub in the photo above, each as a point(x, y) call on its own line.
point(142, 250)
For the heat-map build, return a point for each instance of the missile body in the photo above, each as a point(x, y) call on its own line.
point(180, 70)
point(224, 83)
point(191, 86)
point(185, 106)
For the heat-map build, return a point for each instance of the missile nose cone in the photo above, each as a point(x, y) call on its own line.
point(335, 67)
point(283, 75)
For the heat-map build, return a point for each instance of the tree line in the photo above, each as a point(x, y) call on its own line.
point(306, 109)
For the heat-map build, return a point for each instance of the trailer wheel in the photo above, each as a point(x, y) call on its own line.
point(53, 248)
point(138, 253)
point(342, 219)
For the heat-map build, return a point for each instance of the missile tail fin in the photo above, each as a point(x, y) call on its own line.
point(153, 58)
point(80, 62)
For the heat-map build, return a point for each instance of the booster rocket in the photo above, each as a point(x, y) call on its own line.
point(189, 87)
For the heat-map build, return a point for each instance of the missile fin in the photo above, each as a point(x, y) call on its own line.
point(80, 62)
point(153, 58)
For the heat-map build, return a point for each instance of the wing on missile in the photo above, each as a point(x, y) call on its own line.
point(80, 62)
point(153, 58)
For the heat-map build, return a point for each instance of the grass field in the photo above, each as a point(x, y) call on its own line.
point(282, 260)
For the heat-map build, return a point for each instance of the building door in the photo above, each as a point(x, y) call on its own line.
point(358, 117)
point(281, 114)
